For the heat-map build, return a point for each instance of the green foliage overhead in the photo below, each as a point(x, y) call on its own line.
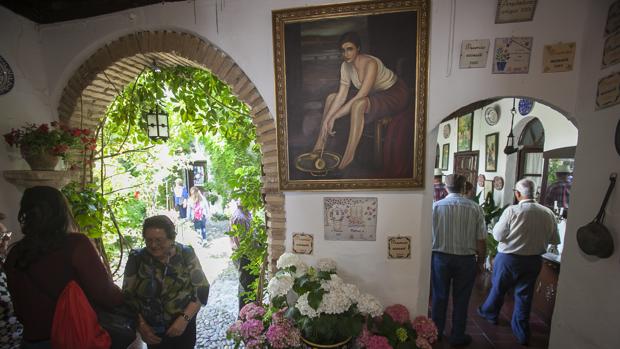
point(87, 206)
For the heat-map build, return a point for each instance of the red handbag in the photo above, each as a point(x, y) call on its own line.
point(75, 324)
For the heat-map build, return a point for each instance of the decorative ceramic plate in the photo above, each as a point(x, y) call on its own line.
point(446, 130)
point(525, 106)
point(491, 116)
point(7, 80)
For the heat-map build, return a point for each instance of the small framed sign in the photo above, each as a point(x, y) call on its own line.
point(512, 55)
point(608, 91)
point(399, 247)
point(509, 11)
point(303, 243)
point(611, 50)
point(474, 53)
point(559, 57)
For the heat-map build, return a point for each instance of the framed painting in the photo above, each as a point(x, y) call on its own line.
point(464, 132)
point(490, 152)
point(445, 156)
point(351, 83)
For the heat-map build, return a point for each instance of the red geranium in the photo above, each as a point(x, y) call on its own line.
point(54, 139)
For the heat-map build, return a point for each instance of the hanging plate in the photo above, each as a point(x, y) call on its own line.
point(491, 116)
point(7, 80)
point(525, 106)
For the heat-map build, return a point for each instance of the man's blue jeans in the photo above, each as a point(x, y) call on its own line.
point(516, 271)
point(461, 272)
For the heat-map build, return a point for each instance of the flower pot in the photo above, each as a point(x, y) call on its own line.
point(310, 345)
point(40, 161)
point(501, 65)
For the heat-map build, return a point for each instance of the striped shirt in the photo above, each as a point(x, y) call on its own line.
point(526, 229)
point(458, 223)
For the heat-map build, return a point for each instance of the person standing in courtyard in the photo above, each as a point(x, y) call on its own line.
point(198, 208)
point(180, 198)
point(524, 232)
point(459, 233)
point(439, 188)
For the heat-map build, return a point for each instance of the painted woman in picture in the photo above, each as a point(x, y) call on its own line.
point(376, 93)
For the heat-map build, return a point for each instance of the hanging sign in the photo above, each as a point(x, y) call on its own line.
point(559, 57)
point(608, 91)
point(512, 55)
point(303, 243)
point(509, 11)
point(613, 18)
point(399, 247)
point(611, 50)
point(474, 53)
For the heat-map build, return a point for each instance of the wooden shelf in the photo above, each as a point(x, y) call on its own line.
point(23, 179)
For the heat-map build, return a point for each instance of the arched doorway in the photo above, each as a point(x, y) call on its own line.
point(102, 76)
point(545, 144)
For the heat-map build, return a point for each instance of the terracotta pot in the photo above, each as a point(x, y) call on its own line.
point(40, 161)
point(310, 345)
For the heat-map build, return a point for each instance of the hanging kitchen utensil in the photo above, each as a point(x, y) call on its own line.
point(594, 238)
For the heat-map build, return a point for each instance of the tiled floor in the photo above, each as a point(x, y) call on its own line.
point(486, 335)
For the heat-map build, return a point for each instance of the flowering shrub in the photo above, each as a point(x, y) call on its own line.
point(52, 139)
point(395, 330)
point(257, 328)
point(325, 308)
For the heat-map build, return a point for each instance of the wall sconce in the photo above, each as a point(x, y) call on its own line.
point(157, 123)
point(510, 143)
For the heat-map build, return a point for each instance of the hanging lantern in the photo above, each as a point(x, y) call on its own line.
point(157, 123)
point(510, 142)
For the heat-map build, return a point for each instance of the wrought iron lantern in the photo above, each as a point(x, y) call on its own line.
point(157, 123)
point(510, 143)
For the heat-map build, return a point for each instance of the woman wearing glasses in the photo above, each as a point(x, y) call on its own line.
point(165, 284)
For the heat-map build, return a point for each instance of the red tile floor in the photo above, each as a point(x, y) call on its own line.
point(486, 335)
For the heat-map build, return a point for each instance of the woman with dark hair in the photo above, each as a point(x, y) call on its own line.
point(51, 254)
point(165, 284)
point(368, 91)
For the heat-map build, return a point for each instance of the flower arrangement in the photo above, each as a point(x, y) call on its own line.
point(325, 308)
point(395, 330)
point(52, 139)
point(257, 328)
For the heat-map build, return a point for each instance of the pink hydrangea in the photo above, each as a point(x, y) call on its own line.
point(255, 343)
point(422, 343)
point(251, 311)
point(425, 328)
point(377, 342)
point(252, 328)
point(363, 337)
point(235, 329)
point(398, 313)
point(283, 335)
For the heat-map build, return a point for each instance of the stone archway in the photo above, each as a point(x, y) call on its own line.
point(95, 84)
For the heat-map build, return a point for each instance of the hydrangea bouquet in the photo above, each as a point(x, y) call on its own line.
point(258, 328)
point(325, 308)
point(395, 330)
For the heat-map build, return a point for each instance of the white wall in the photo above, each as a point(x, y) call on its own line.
point(586, 308)
point(28, 101)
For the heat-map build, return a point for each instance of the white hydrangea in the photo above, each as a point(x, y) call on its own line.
point(280, 285)
point(352, 292)
point(326, 264)
point(369, 305)
point(336, 301)
point(304, 307)
point(292, 260)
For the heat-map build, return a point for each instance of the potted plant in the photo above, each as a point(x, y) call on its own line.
point(327, 311)
point(491, 214)
point(42, 145)
point(259, 328)
point(396, 330)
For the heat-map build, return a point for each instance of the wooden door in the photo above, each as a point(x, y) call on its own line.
point(466, 164)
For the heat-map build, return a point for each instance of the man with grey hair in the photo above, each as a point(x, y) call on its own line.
point(523, 231)
point(459, 233)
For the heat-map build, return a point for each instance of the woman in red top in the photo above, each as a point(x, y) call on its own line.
point(51, 254)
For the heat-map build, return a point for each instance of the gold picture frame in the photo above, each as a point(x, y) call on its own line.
point(385, 150)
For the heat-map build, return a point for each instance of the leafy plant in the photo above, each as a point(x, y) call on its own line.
point(491, 213)
point(219, 217)
point(87, 206)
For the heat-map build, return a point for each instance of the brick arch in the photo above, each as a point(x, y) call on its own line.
point(95, 84)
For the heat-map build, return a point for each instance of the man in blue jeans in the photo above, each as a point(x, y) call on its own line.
point(523, 231)
point(459, 233)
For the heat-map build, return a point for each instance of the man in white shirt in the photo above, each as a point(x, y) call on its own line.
point(523, 231)
point(459, 233)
